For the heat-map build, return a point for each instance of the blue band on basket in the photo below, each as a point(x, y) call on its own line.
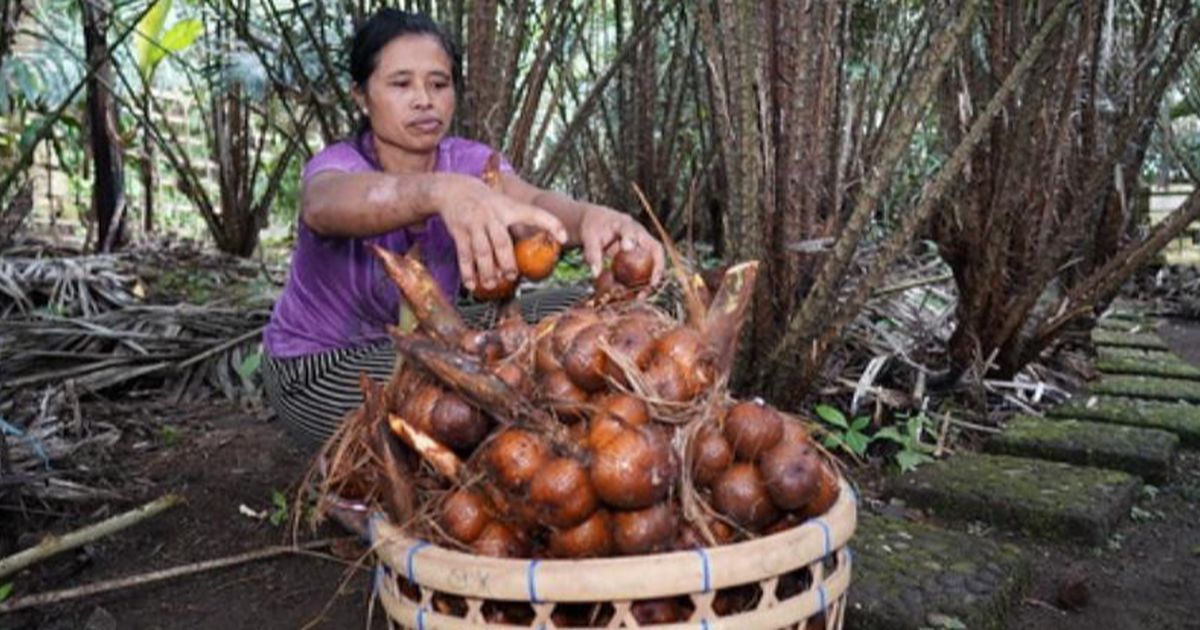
point(531, 581)
point(421, 618)
point(408, 560)
point(705, 569)
point(821, 598)
point(825, 528)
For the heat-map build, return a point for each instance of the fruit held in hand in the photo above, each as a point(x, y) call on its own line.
point(633, 267)
point(606, 284)
point(537, 255)
point(502, 288)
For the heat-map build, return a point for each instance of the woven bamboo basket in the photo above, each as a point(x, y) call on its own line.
point(797, 578)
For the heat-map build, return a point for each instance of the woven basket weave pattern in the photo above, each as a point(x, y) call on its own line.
point(797, 578)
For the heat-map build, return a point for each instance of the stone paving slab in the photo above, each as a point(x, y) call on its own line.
point(1119, 360)
point(1040, 498)
point(1147, 453)
point(909, 576)
point(1121, 307)
point(1148, 340)
point(1178, 418)
point(1131, 325)
point(1149, 387)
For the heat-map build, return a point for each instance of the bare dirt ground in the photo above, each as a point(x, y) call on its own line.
point(217, 457)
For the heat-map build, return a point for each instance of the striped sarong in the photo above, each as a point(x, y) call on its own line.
point(313, 393)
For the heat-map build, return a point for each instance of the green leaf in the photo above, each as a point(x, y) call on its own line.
point(250, 364)
point(832, 416)
point(280, 513)
point(892, 435)
point(182, 34)
point(5, 590)
point(148, 31)
point(909, 460)
point(860, 423)
point(175, 40)
point(857, 442)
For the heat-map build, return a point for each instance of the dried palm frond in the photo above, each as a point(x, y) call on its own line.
point(172, 347)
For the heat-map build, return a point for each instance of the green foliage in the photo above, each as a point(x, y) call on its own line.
point(279, 511)
point(170, 434)
point(148, 31)
point(850, 437)
point(846, 435)
point(5, 590)
point(571, 269)
point(249, 365)
point(913, 452)
point(175, 40)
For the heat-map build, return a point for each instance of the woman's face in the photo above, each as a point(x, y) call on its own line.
point(410, 95)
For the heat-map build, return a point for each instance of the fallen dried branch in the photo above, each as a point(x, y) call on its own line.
point(58, 544)
point(54, 597)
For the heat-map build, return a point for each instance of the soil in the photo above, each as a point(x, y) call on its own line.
point(220, 457)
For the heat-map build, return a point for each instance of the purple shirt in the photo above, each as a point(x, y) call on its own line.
point(337, 294)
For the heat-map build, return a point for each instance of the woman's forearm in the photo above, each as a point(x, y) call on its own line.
point(369, 204)
point(568, 210)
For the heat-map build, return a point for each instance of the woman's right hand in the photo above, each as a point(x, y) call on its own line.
point(478, 219)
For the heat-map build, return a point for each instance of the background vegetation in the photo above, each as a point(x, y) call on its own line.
point(1006, 142)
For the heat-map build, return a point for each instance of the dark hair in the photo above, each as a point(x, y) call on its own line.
point(378, 31)
point(388, 24)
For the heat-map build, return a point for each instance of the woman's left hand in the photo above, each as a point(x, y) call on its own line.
point(605, 231)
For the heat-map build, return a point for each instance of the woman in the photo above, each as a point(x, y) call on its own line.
point(402, 182)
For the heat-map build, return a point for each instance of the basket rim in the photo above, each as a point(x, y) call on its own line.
point(828, 597)
point(616, 578)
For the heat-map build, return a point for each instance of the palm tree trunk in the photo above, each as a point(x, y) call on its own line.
point(108, 185)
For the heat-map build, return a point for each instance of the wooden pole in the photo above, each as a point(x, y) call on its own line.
point(53, 597)
point(54, 545)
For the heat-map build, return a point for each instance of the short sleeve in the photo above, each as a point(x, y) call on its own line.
point(342, 156)
point(459, 155)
